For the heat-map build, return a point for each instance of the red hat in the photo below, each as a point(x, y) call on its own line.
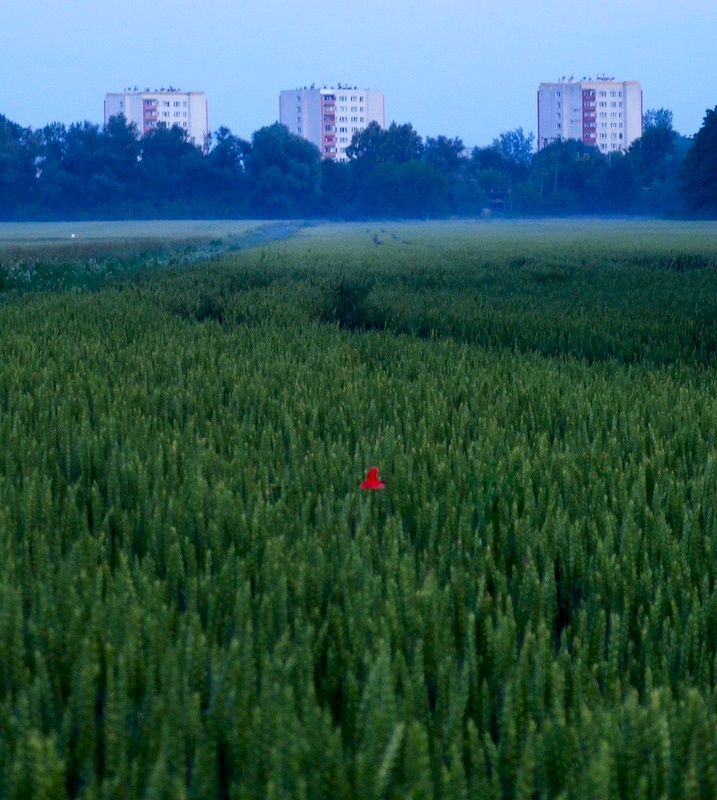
point(372, 480)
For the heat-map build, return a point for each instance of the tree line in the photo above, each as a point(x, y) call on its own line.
point(84, 171)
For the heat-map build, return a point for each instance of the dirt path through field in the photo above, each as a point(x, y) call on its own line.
point(271, 232)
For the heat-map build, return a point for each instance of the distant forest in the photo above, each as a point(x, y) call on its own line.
point(86, 171)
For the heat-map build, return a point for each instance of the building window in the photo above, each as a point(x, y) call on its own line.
point(361, 119)
point(165, 103)
point(176, 103)
point(184, 103)
point(298, 130)
point(354, 119)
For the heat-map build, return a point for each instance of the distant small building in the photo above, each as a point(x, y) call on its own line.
point(603, 112)
point(187, 110)
point(330, 117)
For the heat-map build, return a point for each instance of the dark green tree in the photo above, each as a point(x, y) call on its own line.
point(570, 175)
point(657, 118)
point(649, 153)
point(285, 173)
point(620, 184)
point(373, 145)
point(19, 151)
point(77, 181)
point(517, 149)
point(444, 153)
point(699, 175)
point(51, 172)
point(173, 174)
point(227, 179)
point(367, 147)
point(336, 188)
point(122, 149)
point(402, 143)
point(656, 158)
point(227, 151)
point(374, 153)
point(493, 172)
point(490, 158)
point(450, 158)
point(87, 171)
point(412, 189)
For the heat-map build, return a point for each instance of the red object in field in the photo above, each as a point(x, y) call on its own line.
point(372, 480)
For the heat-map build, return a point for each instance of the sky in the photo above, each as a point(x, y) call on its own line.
point(463, 68)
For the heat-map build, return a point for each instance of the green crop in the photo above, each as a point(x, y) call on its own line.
point(197, 600)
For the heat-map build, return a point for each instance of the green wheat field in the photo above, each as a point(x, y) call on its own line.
point(198, 601)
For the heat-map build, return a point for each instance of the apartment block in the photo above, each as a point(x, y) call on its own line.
point(602, 112)
point(187, 110)
point(330, 117)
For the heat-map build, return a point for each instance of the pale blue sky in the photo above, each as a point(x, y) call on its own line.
point(461, 68)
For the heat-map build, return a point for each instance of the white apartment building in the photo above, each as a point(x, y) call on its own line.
point(603, 112)
point(330, 117)
point(187, 110)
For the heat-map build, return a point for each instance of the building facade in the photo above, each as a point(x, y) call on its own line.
point(330, 117)
point(187, 110)
point(603, 112)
